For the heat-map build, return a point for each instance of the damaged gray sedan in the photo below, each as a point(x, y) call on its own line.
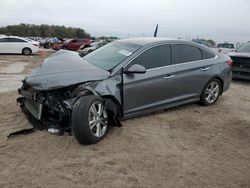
point(126, 78)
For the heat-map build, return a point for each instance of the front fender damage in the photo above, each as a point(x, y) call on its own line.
point(57, 105)
point(112, 105)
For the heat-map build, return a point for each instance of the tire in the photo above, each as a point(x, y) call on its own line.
point(211, 92)
point(26, 51)
point(85, 123)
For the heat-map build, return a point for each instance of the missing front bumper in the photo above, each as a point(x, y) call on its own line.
point(34, 108)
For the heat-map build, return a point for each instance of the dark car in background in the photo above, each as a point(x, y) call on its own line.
point(72, 44)
point(51, 42)
point(120, 80)
point(241, 62)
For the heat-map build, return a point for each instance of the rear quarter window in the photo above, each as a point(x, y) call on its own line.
point(207, 55)
point(187, 53)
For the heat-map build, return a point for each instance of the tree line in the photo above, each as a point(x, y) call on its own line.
point(31, 30)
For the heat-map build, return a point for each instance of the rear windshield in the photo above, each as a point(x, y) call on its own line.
point(111, 55)
point(244, 48)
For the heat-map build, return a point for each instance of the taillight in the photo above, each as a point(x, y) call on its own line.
point(230, 62)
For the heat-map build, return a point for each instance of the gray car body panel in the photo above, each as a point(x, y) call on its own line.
point(137, 94)
point(62, 69)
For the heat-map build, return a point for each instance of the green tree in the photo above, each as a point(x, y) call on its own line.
point(211, 42)
point(31, 30)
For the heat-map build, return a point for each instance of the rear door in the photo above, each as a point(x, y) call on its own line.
point(17, 45)
point(193, 70)
point(153, 88)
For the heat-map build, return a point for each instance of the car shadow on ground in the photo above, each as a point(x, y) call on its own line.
point(241, 81)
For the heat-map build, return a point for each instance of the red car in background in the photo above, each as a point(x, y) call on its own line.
point(72, 44)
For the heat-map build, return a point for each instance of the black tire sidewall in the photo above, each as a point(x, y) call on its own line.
point(80, 123)
point(203, 95)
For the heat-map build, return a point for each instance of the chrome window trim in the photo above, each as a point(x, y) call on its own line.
point(215, 57)
point(182, 63)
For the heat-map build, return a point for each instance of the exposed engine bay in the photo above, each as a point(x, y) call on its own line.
point(53, 108)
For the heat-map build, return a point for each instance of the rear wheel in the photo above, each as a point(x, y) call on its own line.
point(26, 51)
point(89, 120)
point(211, 92)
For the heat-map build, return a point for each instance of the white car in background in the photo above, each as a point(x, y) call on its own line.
point(225, 48)
point(18, 45)
point(93, 46)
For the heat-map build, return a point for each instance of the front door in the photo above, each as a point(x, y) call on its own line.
point(5, 45)
point(153, 88)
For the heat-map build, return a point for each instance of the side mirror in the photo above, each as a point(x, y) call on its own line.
point(138, 69)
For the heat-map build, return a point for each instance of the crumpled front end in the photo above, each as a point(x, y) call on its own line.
point(51, 108)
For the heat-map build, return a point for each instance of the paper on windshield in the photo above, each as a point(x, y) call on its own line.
point(125, 52)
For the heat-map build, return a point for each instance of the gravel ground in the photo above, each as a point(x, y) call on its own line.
point(187, 146)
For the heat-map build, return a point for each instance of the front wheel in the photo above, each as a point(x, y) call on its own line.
point(211, 92)
point(89, 120)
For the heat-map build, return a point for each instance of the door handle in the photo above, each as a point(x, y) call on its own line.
point(169, 76)
point(205, 69)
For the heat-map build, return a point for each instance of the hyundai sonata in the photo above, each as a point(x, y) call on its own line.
point(123, 79)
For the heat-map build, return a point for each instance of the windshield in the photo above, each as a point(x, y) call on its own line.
point(244, 48)
point(111, 55)
point(226, 45)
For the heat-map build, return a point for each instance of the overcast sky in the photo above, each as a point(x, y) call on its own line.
point(221, 20)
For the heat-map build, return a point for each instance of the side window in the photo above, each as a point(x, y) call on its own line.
point(207, 55)
point(155, 57)
point(5, 40)
point(16, 40)
point(186, 53)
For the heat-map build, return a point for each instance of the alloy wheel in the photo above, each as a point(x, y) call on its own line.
point(26, 51)
point(212, 92)
point(98, 120)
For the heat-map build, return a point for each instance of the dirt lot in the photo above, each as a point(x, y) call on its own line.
point(188, 146)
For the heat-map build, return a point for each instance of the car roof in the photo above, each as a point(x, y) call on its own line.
point(148, 40)
point(12, 37)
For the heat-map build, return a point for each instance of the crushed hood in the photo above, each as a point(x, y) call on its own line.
point(62, 69)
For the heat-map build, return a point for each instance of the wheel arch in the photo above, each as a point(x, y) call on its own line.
point(27, 48)
point(221, 82)
point(113, 105)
